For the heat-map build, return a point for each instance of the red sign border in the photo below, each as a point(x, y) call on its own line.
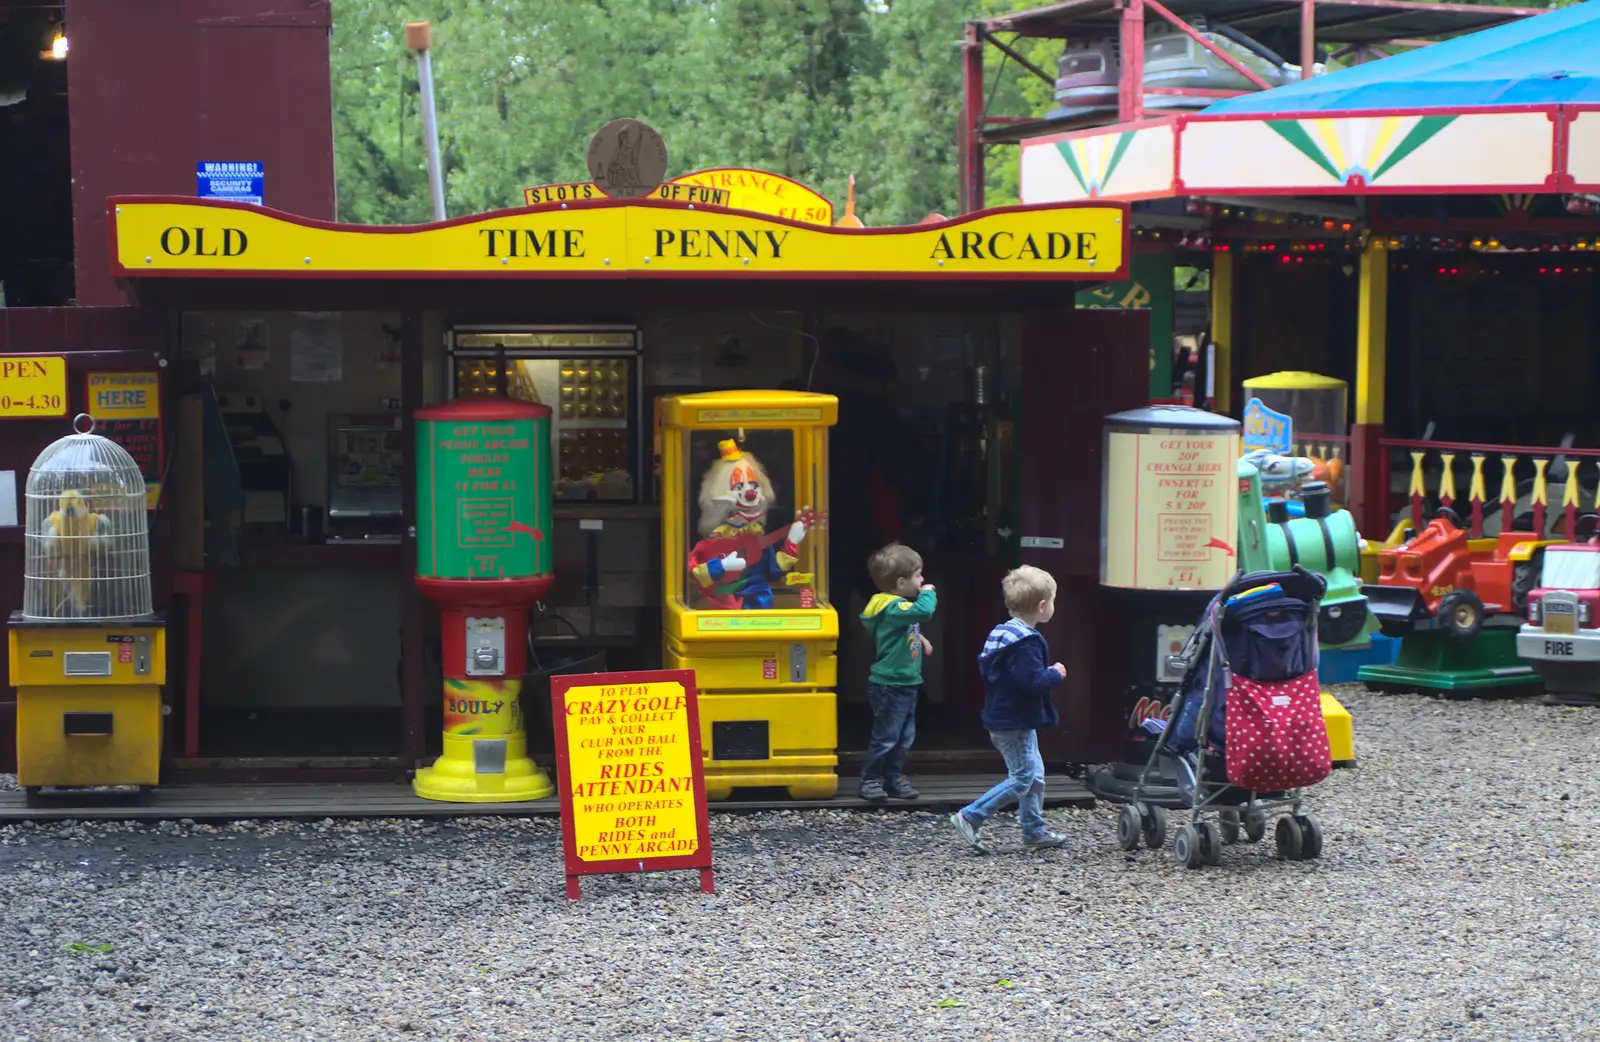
point(161, 421)
point(575, 866)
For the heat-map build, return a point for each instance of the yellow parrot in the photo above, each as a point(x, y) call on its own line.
point(72, 542)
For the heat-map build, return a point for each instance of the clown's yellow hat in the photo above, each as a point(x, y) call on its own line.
point(730, 450)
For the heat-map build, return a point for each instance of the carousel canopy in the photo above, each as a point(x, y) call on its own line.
point(1553, 59)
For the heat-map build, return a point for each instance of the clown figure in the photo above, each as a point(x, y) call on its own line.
point(735, 563)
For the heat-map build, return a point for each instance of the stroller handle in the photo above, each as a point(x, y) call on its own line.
point(1298, 583)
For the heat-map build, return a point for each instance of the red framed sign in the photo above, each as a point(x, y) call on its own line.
point(628, 772)
point(126, 407)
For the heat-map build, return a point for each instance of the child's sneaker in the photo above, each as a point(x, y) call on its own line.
point(872, 789)
point(900, 789)
point(1046, 840)
point(969, 832)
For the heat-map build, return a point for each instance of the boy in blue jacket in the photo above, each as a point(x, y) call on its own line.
point(1016, 703)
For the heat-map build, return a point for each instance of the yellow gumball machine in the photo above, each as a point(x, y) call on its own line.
point(744, 478)
point(88, 655)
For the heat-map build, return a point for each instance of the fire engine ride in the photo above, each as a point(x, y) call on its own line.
point(1562, 635)
point(1455, 601)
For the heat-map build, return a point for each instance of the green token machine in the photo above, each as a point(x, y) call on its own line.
point(483, 556)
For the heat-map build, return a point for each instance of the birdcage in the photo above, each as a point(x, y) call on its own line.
point(88, 544)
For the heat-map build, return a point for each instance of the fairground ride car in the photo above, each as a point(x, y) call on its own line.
point(1440, 578)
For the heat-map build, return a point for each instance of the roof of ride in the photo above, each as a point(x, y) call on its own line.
point(1553, 59)
point(1337, 21)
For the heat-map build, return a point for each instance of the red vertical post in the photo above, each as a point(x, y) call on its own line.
point(970, 137)
point(1369, 479)
point(1308, 37)
point(1130, 87)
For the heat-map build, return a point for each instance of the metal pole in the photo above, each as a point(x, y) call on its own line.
point(1130, 86)
point(419, 37)
point(970, 134)
point(1308, 38)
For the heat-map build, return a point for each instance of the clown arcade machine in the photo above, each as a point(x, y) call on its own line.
point(744, 507)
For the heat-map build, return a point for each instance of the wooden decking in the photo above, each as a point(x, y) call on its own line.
point(303, 802)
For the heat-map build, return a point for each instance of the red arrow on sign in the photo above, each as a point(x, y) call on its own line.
point(518, 526)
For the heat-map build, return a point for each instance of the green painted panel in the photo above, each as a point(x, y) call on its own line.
point(483, 499)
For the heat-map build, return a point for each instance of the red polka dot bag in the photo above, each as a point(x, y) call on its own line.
point(1277, 739)
point(1272, 711)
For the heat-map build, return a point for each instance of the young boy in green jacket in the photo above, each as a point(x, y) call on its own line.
point(894, 617)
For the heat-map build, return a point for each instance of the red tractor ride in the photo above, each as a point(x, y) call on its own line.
point(1441, 579)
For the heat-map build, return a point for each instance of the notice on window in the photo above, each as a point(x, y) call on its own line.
point(126, 406)
point(1172, 510)
point(629, 773)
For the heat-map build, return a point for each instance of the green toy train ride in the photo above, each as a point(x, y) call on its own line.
point(1324, 541)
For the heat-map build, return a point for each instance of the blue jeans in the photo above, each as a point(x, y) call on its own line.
point(894, 728)
point(1025, 783)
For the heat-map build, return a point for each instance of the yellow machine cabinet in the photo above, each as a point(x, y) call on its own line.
point(88, 702)
point(745, 582)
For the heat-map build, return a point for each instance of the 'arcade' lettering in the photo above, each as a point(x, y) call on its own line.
point(1004, 246)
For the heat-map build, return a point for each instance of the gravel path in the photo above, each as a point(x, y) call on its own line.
point(1456, 900)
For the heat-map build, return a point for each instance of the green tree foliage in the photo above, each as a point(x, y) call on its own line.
point(813, 89)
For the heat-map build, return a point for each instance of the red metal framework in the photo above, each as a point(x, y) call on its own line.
point(1355, 26)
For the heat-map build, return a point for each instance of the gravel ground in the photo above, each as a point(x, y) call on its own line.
point(1455, 900)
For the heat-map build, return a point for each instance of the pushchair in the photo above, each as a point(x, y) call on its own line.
point(1246, 731)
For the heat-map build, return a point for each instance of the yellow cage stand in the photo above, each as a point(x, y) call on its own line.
point(746, 603)
point(88, 655)
point(88, 702)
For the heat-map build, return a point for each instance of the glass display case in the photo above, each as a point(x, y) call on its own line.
point(745, 583)
point(589, 377)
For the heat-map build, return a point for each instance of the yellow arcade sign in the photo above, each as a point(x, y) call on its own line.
point(738, 188)
point(617, 237)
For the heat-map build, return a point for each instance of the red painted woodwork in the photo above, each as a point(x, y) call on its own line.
point(158, 87)
point(1078, 366)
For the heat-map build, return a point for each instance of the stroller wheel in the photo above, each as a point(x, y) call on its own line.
point(1230, 826)
point(1290, 840)
point(1210, 843)
point(1155, 827)
point(1186, 847)
point(1255, 826)
point(1128, 827)
point(1310, 837)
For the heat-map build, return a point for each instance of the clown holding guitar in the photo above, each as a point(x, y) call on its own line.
point(736, 562)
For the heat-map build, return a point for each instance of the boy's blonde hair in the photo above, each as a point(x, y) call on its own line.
point(892, 563)
point(1025, 587)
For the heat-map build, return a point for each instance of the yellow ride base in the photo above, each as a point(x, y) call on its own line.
point(130, 754)
point(803, 739)
point(454, 776)
point(1341, 731)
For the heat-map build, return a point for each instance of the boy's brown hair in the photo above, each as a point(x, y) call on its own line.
point(1025, 587)
point(891, 564)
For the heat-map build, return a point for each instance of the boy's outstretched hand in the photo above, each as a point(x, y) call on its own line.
point(1059, 668)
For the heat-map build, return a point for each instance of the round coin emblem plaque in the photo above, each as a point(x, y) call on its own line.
point(627, 159)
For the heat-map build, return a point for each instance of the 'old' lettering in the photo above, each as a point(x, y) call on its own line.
point(204, 242)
